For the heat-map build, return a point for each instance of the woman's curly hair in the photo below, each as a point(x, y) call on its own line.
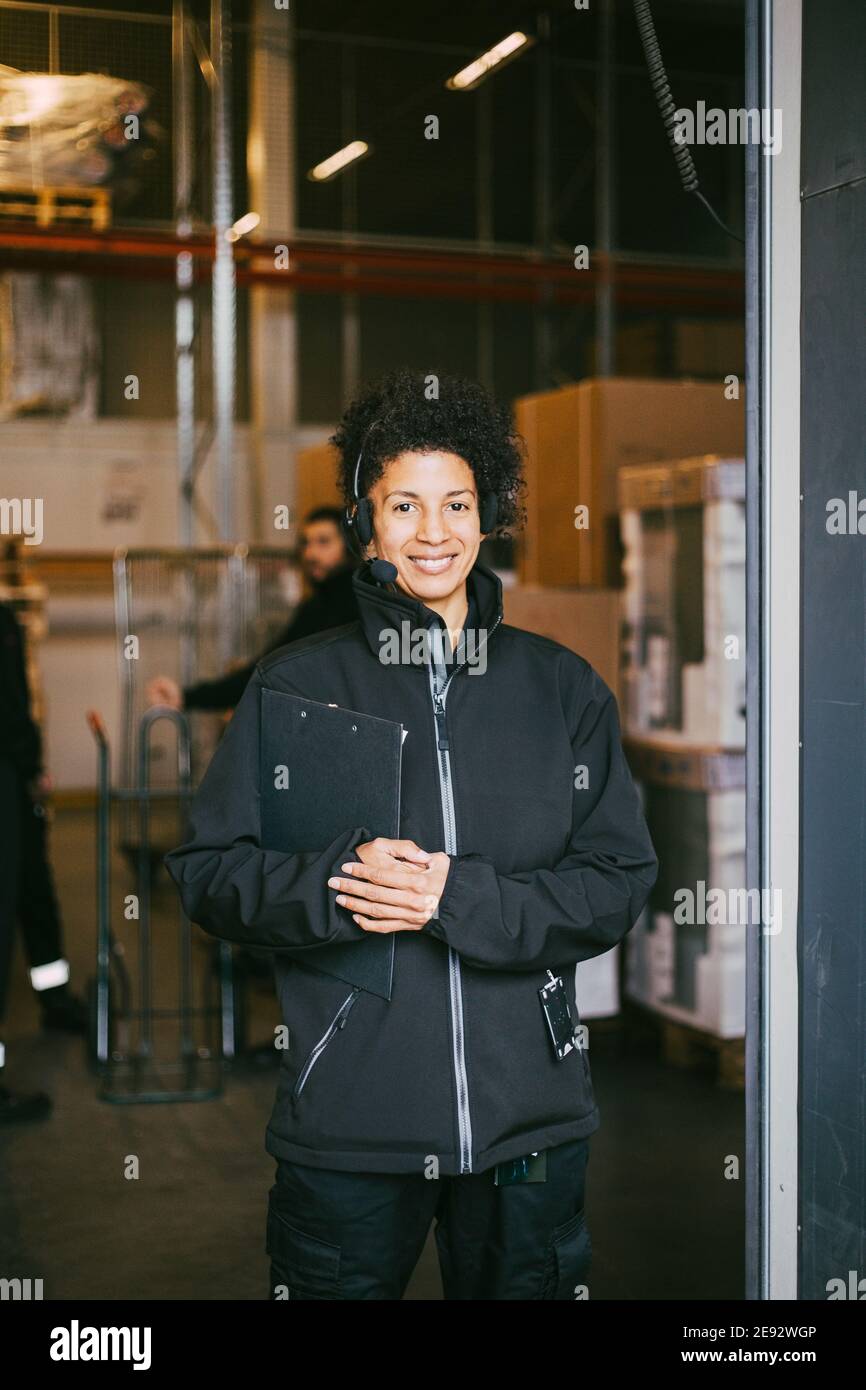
point(396, 414)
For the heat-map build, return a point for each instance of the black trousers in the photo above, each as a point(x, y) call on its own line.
point(27, 894)
point(336, 1235)
point(10, 854)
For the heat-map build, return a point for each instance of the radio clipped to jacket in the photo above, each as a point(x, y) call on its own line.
point(557, 1014)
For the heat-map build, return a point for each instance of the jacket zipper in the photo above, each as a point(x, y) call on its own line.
point(464, 1122)
point(337, 1022)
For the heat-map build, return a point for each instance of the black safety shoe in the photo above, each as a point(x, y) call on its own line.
point(65, 1012)
point(14, 1106)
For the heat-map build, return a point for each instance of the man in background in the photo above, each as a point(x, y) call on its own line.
point(328, 567)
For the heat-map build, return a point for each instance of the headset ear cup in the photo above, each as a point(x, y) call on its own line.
point(364, 521)
point(488, 512)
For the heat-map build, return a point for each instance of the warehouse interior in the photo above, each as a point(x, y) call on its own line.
point(189, 298)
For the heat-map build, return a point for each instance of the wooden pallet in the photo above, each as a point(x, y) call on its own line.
point(685, 1045)
point(692, 1048)
point(48, 206)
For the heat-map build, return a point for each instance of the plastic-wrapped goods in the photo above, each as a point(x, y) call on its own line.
point(683, 527)
point(686, 954)
point(74, 131)
point(49, 346)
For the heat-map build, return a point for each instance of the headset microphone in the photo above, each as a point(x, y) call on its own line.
point(383, 571)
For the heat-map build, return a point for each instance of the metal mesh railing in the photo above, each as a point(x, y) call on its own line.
point(192, 615)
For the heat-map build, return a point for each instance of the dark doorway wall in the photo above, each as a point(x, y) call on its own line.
point(832, 946)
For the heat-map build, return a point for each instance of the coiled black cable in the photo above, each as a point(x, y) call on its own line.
point(661, 87)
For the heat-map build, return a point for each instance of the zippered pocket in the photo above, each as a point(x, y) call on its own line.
point(337, 1022)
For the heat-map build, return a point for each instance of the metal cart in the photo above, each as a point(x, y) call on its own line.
point(145, 1046)
point(167, 1007)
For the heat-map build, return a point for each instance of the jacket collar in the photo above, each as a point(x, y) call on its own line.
point(385, 608)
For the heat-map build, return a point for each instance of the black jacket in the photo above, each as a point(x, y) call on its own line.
point(551, 863)
point(20, 739)
point(331, 604)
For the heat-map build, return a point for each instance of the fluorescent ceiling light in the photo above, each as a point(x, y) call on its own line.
point(247, 223)
point(335, 163)
point(476, 71)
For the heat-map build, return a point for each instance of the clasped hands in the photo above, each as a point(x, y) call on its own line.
point(396, 887)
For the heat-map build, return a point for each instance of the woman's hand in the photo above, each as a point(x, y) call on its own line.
point(396, 887)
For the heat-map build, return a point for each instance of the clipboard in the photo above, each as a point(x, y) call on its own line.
point(343, 770)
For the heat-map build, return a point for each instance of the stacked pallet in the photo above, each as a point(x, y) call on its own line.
point(683, 527)
point(578, 440)
point(683, 708)
point(49, 205)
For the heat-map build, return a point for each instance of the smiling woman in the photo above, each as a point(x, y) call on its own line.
point(432, 412)
point(426, 523)
point(506, 873)
point(441, 468)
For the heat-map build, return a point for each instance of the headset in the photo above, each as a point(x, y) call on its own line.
point(361, 520)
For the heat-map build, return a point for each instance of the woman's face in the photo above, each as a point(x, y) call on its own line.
point(425, 521)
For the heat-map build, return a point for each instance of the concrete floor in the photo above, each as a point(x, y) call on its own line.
point(665, 1223)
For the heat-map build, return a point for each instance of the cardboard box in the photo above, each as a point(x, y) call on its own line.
point(683, 527)
point(639, 349)
point(709, 347)
point(578, 437)
point(316, 480)
point(586, 620)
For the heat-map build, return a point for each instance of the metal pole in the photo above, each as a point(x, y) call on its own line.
point(223, 287)
point(785, 1209)
point(754, 1254)
point(184, 332)
point(604, 301)
point(543, 176)
point(184, 787)
point(144, 1049)
point(123, 629)
point(53, 41)
point(764, 384)
point(184, 322)
point(350, 324)
point(484, 226)
point(103, 888)
point(271, 163)
point(142, 794)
